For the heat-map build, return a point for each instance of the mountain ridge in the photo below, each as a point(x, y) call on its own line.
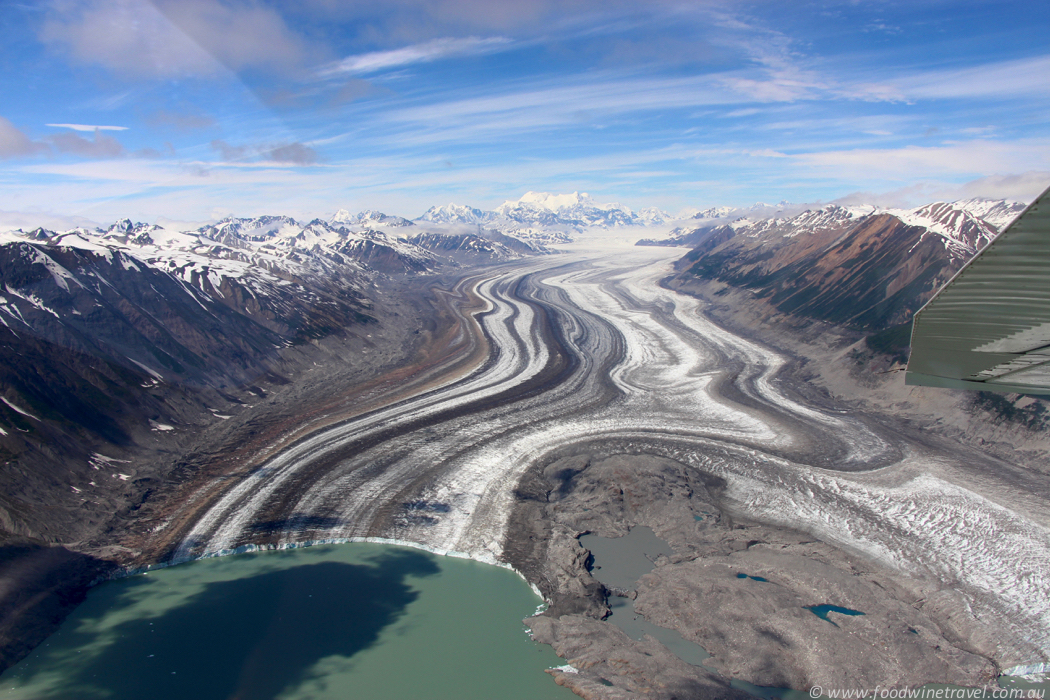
point(858, 266)
point(150, 331)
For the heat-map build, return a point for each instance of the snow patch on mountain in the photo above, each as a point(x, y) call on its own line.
point(829, 217)
point(1000, 213)
point(576, 210)
point(370, 218)
point(546, 217)
point(964, 233)
point(453, 213)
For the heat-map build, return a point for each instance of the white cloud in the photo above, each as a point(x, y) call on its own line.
point(172, 39)
point(88, 127)
point(101, 146)
point(565, 102)
point(426, 52)
point(1021, 78)
point(923, 162)
point(770, 90)
point(294, 154)
point(29, 220)
point(1020, 187)
point(746, 112)
point(14, 143)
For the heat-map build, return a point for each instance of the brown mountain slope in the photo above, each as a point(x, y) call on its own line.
point(868, 273)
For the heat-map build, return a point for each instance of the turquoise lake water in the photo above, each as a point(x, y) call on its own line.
point(338, 621)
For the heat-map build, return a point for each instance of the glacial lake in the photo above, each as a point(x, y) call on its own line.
point(619, 562)
point(337, 621)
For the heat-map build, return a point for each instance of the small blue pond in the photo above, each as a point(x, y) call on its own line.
point(822, 611)
point(753, 578)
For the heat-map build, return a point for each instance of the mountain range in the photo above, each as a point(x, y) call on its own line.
point(110, 336)
point(856, 266)
point(121, 346)
point(573, 212)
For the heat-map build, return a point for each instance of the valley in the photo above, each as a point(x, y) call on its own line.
point(456, 349)
point(500, 408)
point(592, 361)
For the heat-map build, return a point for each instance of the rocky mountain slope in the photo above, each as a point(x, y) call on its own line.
point(469, 248)
point(135, 355)
point(845, 283)
point(855, 266)
point(99, 351)
point(116, 340)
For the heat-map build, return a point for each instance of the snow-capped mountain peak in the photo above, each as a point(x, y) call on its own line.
point(831, 216)
point(998, 212)
point(343, 217)
point(715, 213)
point(576, 210)
point(652, 216)
point(454, 213)
point(962, 231)
point(369, 217)
point(556, 202)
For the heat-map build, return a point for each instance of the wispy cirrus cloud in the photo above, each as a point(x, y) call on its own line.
point(565, 101)
point(1018, 78)
point(426, 52)
point(1018, 187)
point(1024, 78)
point(952, 159)
point(88, 127)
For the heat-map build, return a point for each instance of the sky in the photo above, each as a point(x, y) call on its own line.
point(197, 109)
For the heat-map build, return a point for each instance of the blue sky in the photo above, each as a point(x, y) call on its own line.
point(194, 109)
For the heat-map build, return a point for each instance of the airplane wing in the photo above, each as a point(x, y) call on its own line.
point(988, 328)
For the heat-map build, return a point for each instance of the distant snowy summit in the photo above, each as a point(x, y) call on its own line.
point(456, 214)
point(759, 210)
point(369, 217)
point(576, 210)
point(573, 212)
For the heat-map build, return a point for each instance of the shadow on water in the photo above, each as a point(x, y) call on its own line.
point(252, 637)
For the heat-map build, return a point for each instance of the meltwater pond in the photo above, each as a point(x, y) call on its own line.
point(337, 621)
